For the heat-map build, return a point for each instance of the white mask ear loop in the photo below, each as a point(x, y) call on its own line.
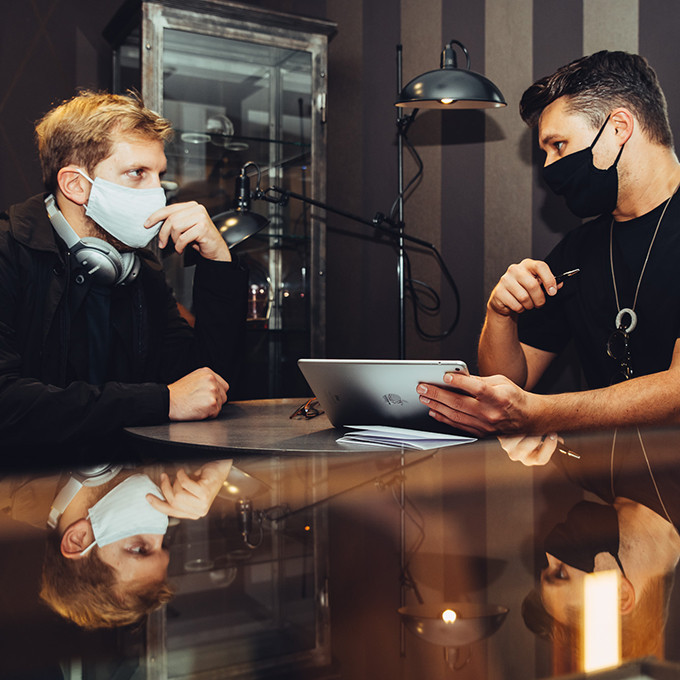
point(91, 181)
point(80, 172)
point(89, 547)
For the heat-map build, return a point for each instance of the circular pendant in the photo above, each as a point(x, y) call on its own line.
point(626, 311)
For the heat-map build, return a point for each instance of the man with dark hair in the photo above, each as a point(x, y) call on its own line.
point(603, 126)
point(91, 340)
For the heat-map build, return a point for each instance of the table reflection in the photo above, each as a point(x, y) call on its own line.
point(631, 529)
point(296, 565)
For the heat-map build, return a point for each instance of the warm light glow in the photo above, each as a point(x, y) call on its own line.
point(231, 488)
point(448, 100)
point(601, 625)
point(307, 527)
point(449, 616)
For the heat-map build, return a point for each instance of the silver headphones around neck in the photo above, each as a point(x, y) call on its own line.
point(90, 476)
point(99, 259)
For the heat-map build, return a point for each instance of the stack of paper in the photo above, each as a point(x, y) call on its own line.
point(400, 437)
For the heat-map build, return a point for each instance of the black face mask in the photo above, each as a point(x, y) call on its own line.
point(587, 190)
point(590, 528)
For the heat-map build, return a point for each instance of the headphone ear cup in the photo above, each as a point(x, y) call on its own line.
point(100, 260)
point(97, 474)
point(131, 266)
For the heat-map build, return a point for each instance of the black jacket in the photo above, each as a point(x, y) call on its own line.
point(43, 411)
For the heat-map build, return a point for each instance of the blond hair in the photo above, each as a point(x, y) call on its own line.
point(81, 130)
point(86, 591)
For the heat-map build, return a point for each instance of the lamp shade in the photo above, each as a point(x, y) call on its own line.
point(240, 223)
point(240, 485)
point(453, 624)
point(451, 87)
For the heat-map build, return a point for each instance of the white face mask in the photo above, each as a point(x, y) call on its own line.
point(124, 512)
point(122, 211)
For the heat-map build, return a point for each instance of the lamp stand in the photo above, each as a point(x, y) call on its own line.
point(400, 213)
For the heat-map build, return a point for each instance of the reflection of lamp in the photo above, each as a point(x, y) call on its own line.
point(450, 624)
point(453, 624)
point(240, 485)
point(240, 223)
point(451, 87)
point(241, 488)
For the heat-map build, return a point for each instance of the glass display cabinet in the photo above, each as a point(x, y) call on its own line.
point(242, 85)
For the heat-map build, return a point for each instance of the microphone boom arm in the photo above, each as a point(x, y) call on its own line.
point(395, 230)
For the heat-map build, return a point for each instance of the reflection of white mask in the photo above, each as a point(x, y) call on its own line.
point(122, 211)
point(124, 512)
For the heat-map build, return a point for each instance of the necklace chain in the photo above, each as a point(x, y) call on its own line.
point(649, 468)
point(644, 265)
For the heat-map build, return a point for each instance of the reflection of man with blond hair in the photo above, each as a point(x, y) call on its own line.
point(105, 561)
point(91, 340)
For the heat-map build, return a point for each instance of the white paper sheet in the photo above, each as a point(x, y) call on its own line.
point(400, 437)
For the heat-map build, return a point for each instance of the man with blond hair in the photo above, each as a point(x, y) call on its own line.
point(91, 340)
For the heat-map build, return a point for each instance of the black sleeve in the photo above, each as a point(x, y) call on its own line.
point(220, 306)
point(216, 341)
point(33, 411)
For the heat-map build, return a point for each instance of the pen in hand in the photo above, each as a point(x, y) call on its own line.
point(563, 449)
point(561, 277)
point(568, 452)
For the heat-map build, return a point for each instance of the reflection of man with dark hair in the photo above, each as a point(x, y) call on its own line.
point(634, 530)
point(105, 562)
point(626, 536)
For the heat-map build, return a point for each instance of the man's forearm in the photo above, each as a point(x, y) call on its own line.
point(496, 405)
point(647, 400)
point(499, 349)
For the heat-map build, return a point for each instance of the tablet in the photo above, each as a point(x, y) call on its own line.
point(376, 391)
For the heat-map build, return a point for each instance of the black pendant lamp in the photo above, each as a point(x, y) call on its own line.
point(240, 223)
point(451, 87)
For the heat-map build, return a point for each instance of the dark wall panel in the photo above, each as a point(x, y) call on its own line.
point(462, 180)
point(659, 43)
point(361, 300)
point(47, 50)
point(558, 39)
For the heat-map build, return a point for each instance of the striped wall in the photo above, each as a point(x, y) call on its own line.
point(481, 199)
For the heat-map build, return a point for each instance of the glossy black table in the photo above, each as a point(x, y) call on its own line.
point(306, 569)
point(261, 426)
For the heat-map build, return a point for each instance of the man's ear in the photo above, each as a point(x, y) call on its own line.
point(626, 596)
point(73, 185)
point(76, 538)
point(624, 123)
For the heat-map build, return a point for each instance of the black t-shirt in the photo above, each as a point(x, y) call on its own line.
point(584, 310)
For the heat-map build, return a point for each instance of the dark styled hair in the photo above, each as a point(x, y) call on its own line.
point(596, 84)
